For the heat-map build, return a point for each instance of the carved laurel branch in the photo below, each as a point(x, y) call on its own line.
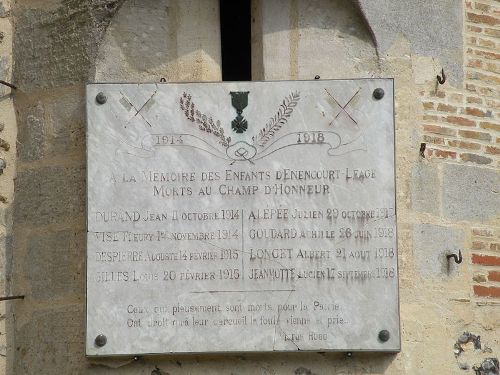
point(280, 118)
point(205, 123)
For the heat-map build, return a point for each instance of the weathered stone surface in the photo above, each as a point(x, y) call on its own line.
point(441, 37)
point(470, 193)
point(293, 31)
point(425, 187)
point(431, 244)
point(49, 195)
point(153, 39)
point(52, 339)
point(55, 47)
point(58, 269)
point(31, 134)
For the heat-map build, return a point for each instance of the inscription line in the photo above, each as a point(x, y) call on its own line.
point(242, 248)
point(243, 291)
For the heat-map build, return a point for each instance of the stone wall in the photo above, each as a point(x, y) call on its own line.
point(447, 193)
point(7, 167)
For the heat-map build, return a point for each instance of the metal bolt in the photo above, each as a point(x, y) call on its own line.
point(101, 98)
point(349, 354)
point(384, 335)
point(100, 340)
point(317, 77)
point(378, 93)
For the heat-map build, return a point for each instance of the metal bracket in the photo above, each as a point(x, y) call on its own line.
point(11, 297)
point(8, 84)
point(458, 259)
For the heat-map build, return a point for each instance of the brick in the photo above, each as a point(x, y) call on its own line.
point(482, 232)
point(462, 121)
point(474, 29)
point(479, 277)
point(477, 76)
point(495, 246)
point(490, 126)
point(434, 140)
point(492, 103)
point(446, 108)
point(487, 78)
point(430, 118)
point(471, 40)
point(485, 260)
point(428, 105)
point(492, 150)
point(483, 18)
point(473, 158)
point(439, 130)
point(475, 100)
point(494, 276)
point(482, 7)
point(487, 91)
point(475, 135)
point(441, 154)
point(478, 245)
point(470, 87)
point(477, 112)
point(486, 291)
point(456, 98)
point(440, 94)
point(492, 32)
point(486, 54)
point(486, 43)
point(475, 63)
point(465, 145)
point(494, 68)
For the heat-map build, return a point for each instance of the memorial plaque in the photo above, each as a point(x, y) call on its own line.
point(241, 217)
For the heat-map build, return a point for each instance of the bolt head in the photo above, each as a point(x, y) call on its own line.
point(101, 98)
point(378, 93)
point(384, 335)
point(100, 340)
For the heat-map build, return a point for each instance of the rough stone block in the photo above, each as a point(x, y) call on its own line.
point(56, 47)
point(58, 268)
point(441, 37)
point(31, 134)
point(470, 193)
point(51, 342)
point(50, 195)
point(425, 188)
point(431, 245)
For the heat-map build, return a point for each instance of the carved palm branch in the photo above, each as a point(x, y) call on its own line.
point(204, 122)
point(280, 118)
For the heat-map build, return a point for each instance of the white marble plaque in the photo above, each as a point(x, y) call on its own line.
point(241, 217)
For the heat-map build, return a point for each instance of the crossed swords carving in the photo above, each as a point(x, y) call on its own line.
point(343, 107)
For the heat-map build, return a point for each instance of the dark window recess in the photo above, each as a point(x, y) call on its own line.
point(235, 23)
